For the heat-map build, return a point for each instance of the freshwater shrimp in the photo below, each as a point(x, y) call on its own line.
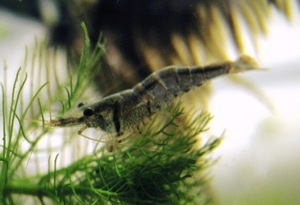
point(123, 111)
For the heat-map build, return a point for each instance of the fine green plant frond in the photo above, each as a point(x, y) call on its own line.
point(84, 71)
point(158, 166)
point(23, 101)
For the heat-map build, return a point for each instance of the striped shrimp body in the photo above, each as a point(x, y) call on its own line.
point(123, 111)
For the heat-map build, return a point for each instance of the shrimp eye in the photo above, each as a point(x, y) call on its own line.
point(88, 112)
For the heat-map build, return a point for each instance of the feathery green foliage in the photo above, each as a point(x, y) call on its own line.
point(159, 166)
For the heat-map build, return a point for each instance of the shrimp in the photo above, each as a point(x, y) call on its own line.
point(122, 111)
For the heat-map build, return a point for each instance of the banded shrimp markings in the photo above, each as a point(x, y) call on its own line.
point(123, 111)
